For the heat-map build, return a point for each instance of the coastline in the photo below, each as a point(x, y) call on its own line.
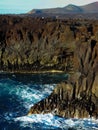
point(34, 72)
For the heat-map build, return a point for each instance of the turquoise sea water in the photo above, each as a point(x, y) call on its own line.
point(13, 11)
point(18, 92)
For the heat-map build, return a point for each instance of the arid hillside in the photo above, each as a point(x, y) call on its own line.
point(71, 9)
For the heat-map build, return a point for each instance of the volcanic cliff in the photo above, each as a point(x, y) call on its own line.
point(77, 97)
point(34, 44)
point(38, 44)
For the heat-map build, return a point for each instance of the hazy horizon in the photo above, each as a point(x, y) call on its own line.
point(24, 6)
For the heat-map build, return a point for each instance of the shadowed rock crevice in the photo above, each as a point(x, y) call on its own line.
point(93, 43)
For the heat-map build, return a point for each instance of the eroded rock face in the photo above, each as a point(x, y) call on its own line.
point(77, 97)
point(69, 100)
point(34, 44)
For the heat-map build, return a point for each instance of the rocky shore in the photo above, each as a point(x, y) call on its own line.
point(44, 44)
point(78, 96)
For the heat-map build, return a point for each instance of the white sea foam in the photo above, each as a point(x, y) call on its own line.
point(28, 95)
point(47, 119)
point(55, 121)
point(31, 95)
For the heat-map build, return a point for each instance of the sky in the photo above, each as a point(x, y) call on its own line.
point(23, 6)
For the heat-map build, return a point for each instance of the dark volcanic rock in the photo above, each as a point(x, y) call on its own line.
point(77, 97)
point(39, 44)
point(70, 100)
point(34, 44)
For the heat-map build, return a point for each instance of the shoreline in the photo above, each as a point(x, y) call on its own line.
point(34, 72)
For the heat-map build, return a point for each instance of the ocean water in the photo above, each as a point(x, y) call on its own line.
point(18, 92)
point(12, 11)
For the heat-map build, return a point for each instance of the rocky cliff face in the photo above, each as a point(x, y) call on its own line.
point(34, 44)
point(77, 97)
point(30, 44)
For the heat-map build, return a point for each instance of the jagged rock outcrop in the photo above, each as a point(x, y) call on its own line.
point(77, 97)
point(34, 44)
point(70, 100)
point(63, 102)
point(38, 44)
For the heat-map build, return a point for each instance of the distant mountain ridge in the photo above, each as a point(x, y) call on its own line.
point(89, 8)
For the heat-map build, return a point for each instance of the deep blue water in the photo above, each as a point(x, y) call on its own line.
point(18, 92)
